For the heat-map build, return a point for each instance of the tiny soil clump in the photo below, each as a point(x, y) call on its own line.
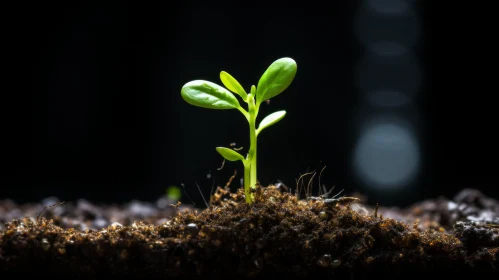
point(278, 234)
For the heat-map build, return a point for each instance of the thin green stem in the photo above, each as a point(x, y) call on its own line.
point(250, 176)
point(247, 192)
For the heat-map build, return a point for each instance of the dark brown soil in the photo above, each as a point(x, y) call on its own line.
point(278, 235)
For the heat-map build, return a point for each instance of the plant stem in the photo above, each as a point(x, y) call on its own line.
point(250, 166)
point(247, 172)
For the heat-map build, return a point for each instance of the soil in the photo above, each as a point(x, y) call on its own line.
point(278, 235)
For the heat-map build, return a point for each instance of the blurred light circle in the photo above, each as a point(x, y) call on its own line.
point(387, 155)
point(374, 27)
point(401, 74)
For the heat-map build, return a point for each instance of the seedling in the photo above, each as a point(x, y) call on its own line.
point(209, 95)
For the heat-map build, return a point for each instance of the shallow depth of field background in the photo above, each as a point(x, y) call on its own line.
point(96, 112)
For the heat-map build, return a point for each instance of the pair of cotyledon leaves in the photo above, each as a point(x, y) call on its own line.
point(209, 95)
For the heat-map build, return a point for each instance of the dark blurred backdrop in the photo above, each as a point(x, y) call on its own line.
point(93, 105)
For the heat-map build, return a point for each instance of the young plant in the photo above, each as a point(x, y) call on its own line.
point(206, 94)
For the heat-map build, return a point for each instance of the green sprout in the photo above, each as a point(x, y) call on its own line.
point(209, 95)
point(173, 193)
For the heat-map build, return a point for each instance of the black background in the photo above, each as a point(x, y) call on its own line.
point(93, 108)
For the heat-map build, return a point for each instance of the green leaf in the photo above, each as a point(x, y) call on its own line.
point(208, 95)
point(276, 79)
point(270, 120)
point(233, 85)
point(230, 154)
point(173, 193)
